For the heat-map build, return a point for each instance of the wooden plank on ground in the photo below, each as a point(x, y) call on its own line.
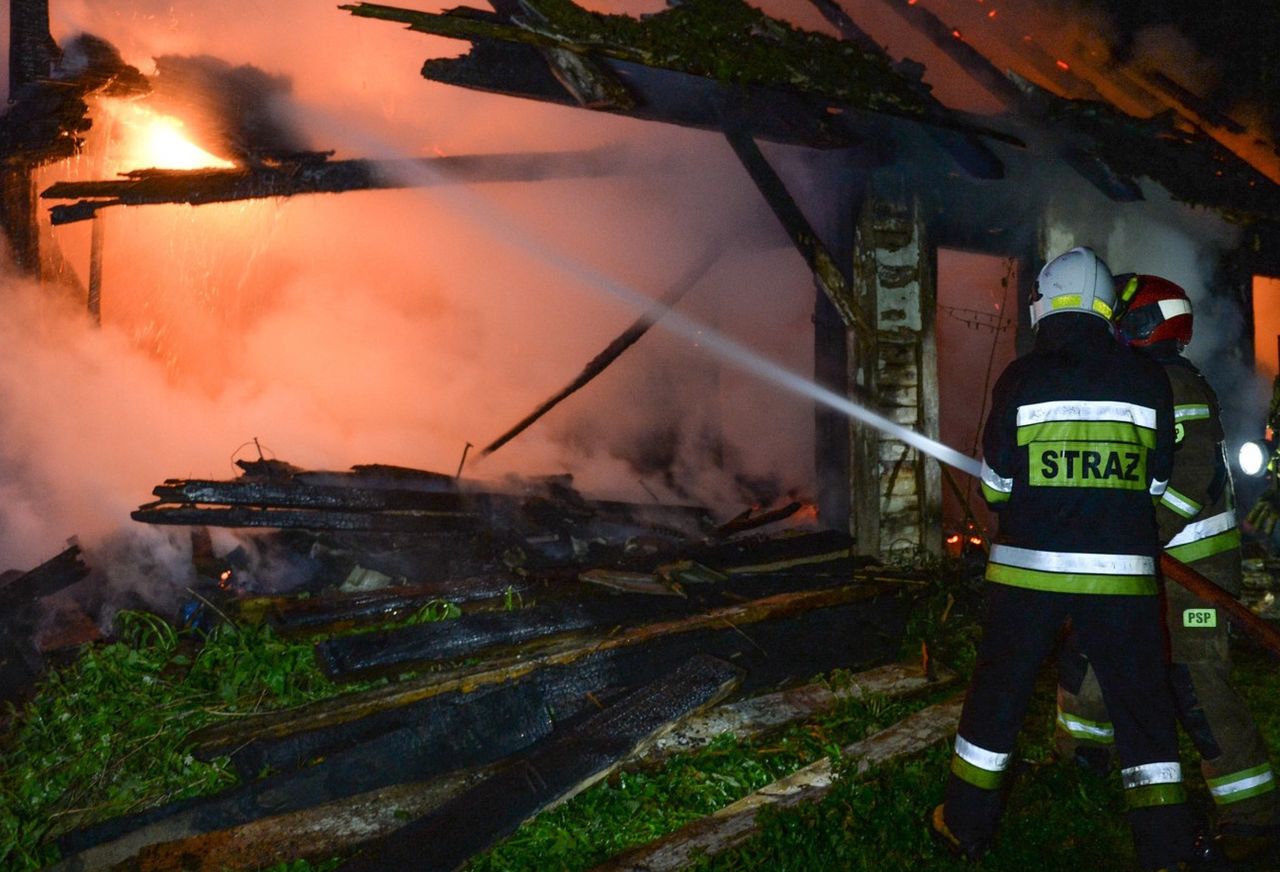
point(734, 824)
point(553, 772)
point(353, 706)
point(341, 826)
point(753, 717)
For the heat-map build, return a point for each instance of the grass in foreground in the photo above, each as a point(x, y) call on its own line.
point(105, 736)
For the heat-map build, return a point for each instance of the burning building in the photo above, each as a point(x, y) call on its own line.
point(760, 226)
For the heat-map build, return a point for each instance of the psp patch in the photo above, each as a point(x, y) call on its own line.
point(1200, 618)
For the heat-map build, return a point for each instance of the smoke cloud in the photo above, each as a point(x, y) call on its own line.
point(392, 326)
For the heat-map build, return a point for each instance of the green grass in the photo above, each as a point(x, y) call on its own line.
point(108, 735)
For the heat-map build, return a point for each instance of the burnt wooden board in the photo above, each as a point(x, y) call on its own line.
point(610, 622)
point(463, 732)
point(770, 651)
point(554, 771)
point(341, 826)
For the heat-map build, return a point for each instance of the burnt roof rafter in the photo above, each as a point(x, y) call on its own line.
point(695, 63)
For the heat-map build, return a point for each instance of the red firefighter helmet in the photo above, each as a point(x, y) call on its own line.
point(1151, 309)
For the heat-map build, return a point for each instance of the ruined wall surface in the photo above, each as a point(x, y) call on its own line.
point(895, 491)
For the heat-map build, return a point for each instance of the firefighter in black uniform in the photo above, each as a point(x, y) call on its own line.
point(1078, 442)
point(1197, 523)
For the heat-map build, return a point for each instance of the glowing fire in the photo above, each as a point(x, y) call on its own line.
point(142, 138)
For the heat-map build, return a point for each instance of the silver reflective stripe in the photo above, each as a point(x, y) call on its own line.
point(1179, 503)
point(980, 757)
point(1158, 487)
point(1195, 413)
point(1078, 727)
point(1073, 562)
point(1198, 530)
point(1151, 773)
point(1174, 308)
point(1241, 785)
point(1087, 410)
point(994, 481)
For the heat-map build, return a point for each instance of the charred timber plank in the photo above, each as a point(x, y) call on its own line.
point(479, 635)
point(553, 772)
point(48, 578)
point(614, 349)
point(291, 494)
point(342, 611)
point(734, 824)
point(339, 826)
point(463, 732)
point(352, 658)
point(198, 187)
point(247, 516)
point(311, 834)
point(732, 621)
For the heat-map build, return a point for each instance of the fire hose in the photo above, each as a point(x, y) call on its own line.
point(1265, 634)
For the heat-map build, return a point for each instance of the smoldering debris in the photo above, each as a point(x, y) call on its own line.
point(533, 663)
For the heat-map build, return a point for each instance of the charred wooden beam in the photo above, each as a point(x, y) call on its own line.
point(749, 521)
point(48, 578)
point(291, 493)
point(791, 643)
point(820, 70)
point(734, 824)
point(829, 275)
point(340, 826)
point(775, 637)
point(614, 349)
point(317, 175)
point(336, 612)
point(564, 626)
point(556, 770)
point(311, 834)
point(247, 516)
point(466, 731)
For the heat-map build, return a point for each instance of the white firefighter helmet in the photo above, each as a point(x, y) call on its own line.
point(1077, 281)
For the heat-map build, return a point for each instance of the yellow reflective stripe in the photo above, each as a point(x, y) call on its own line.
point(1051, 582)
point(1203, 548)
point(992, 495)
point(1191, 412)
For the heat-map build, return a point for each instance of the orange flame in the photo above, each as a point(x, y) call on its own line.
point(146, 139)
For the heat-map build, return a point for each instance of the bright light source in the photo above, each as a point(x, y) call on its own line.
point(1252, 458)
point(142, 138)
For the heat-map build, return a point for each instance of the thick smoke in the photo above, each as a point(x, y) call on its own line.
point(393, 326)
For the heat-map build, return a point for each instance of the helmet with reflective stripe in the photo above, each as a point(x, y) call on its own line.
point(1152, 309)
point(1077, 281)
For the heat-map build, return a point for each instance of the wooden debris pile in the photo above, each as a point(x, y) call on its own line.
point(587, 636)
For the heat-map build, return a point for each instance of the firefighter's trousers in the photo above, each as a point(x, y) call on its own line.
point(1124, 639)
point(1233, 754)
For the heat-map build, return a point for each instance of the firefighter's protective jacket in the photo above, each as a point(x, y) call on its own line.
point(1074, 455)
point(1196, 514)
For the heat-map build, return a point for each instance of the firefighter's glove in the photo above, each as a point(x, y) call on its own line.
point(1265, 512)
